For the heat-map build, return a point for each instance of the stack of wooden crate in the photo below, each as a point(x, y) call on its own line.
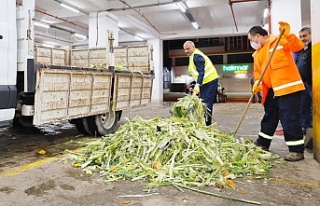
point(136, 58)
point(89, 58)
point(50, 56)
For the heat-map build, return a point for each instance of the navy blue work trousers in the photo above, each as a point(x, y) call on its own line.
point(285, 108)
point(208, 94)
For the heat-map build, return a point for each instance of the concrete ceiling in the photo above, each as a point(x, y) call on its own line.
point(150, 18)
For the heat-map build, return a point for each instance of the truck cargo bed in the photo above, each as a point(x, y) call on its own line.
point(63, 94)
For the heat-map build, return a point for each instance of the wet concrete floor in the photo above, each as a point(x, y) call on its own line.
point(28, 178)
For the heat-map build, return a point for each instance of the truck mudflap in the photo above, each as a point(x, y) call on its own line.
point(63, 94)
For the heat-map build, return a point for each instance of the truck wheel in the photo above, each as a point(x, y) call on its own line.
point(82, 125)
point(26, 121)
point(103, 124)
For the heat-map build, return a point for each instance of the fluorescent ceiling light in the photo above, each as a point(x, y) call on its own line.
point(182, 6)
point(48, 45)
point(80, 35)
point(265, 13)
point(48, 21)
point(138, 38)
point(70, 8)
point(195, 25)
point(37, 23)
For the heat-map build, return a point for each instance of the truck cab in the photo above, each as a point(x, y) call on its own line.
point(8, 59)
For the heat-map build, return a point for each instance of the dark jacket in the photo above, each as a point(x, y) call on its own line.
point(303, 61)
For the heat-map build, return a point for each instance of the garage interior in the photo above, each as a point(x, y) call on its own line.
point(32, 170)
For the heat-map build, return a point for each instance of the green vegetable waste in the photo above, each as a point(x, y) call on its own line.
point(179, 150)
point(190, 107)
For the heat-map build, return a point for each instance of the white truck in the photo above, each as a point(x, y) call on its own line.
point(32, 94)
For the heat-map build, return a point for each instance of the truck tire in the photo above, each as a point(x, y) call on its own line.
point(26, 121)
point(103, 124)
point(82, 125)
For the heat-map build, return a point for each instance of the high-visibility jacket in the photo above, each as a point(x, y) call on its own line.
point(210, 72)
point(282, 75)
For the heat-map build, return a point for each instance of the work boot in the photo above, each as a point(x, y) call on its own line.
point(261, 146)
point(294, 156)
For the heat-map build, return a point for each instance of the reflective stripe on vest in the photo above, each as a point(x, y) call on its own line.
point(287, 85)
point(278, 48)
point(284, 86)
point(210, 72)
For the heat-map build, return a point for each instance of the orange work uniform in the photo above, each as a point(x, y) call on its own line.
point(282, 75)
point(281, 86)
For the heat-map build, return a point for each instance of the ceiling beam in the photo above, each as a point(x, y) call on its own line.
point(125, 3)
point(231, 2)
point(142, 26)
point(102, 4)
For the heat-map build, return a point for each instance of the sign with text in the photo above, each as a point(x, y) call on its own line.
point(236, 68)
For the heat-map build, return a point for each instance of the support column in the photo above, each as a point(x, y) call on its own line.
point(99, 25)
point(315, 29)
point(285, 10)
point(157, 89)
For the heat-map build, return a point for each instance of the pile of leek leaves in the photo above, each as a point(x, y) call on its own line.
point(180, 151)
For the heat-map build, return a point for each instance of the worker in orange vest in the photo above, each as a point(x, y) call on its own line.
point(281, 88)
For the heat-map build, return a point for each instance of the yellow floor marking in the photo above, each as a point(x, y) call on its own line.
point(296, 182)
point(29, 166)
point(26, 167)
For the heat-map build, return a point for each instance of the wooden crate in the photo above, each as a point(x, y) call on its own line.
point(59, 57)
point(120, 56)
point(139, 58)
point(89, 57)
point(69, 94)
point(98, 57)
point(132, 90)
point(120, 51)
point(43, 55)
point(136, 58)
point(58, 54)
point(43, 60)
point(79, 58)
point(50, 56)
point(146, 90)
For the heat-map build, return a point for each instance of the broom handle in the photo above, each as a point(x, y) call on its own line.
point(261, 76)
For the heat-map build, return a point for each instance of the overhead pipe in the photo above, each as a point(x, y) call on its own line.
point(59, 18)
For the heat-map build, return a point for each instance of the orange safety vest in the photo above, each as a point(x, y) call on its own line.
point(282, 75)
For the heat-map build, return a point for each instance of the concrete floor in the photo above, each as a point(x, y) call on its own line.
point(27, 178)
point(173, 96)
